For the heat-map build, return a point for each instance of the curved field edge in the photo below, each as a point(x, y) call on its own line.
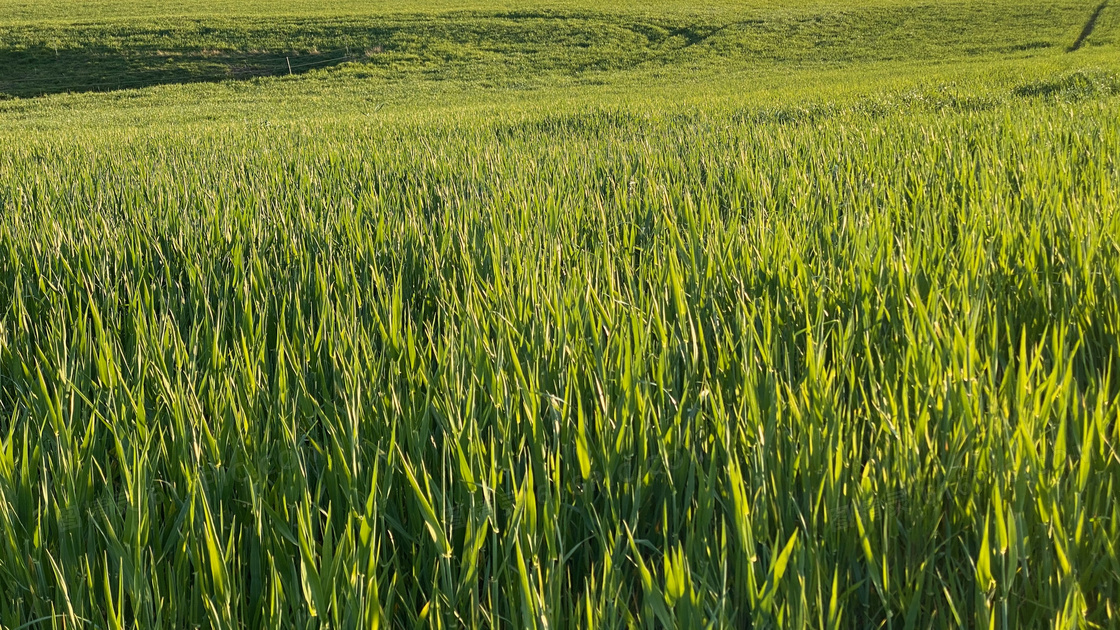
point(596, 367)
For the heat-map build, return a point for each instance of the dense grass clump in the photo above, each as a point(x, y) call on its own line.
point(567, 368)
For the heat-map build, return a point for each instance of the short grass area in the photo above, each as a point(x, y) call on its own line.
point(517, 46)
point(557, 315)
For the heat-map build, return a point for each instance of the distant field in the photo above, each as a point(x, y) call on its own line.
point(764, 314)
point(85, 10)
point(70, 50)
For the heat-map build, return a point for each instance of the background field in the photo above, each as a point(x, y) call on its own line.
point(524, 46)
point(560, 315)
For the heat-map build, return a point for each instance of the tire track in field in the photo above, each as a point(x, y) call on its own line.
point(1089, 26)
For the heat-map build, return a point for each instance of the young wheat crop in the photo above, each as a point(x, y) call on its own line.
point(787, 367)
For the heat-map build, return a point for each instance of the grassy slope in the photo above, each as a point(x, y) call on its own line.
point(523, 46)
point(654, 308)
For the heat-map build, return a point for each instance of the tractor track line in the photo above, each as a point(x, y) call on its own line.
point(1089, 26)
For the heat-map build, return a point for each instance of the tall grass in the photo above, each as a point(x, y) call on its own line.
point(566, 369)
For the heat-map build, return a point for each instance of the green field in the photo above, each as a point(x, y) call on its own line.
point(558, 314)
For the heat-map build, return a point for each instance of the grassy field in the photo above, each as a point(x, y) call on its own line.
point(548, 314)
point(529, 46)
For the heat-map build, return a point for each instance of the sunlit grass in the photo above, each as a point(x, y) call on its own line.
point(820, 346)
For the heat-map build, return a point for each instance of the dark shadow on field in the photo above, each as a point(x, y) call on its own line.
point(1090, 24)
point(40, 71)
point(38, 60)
